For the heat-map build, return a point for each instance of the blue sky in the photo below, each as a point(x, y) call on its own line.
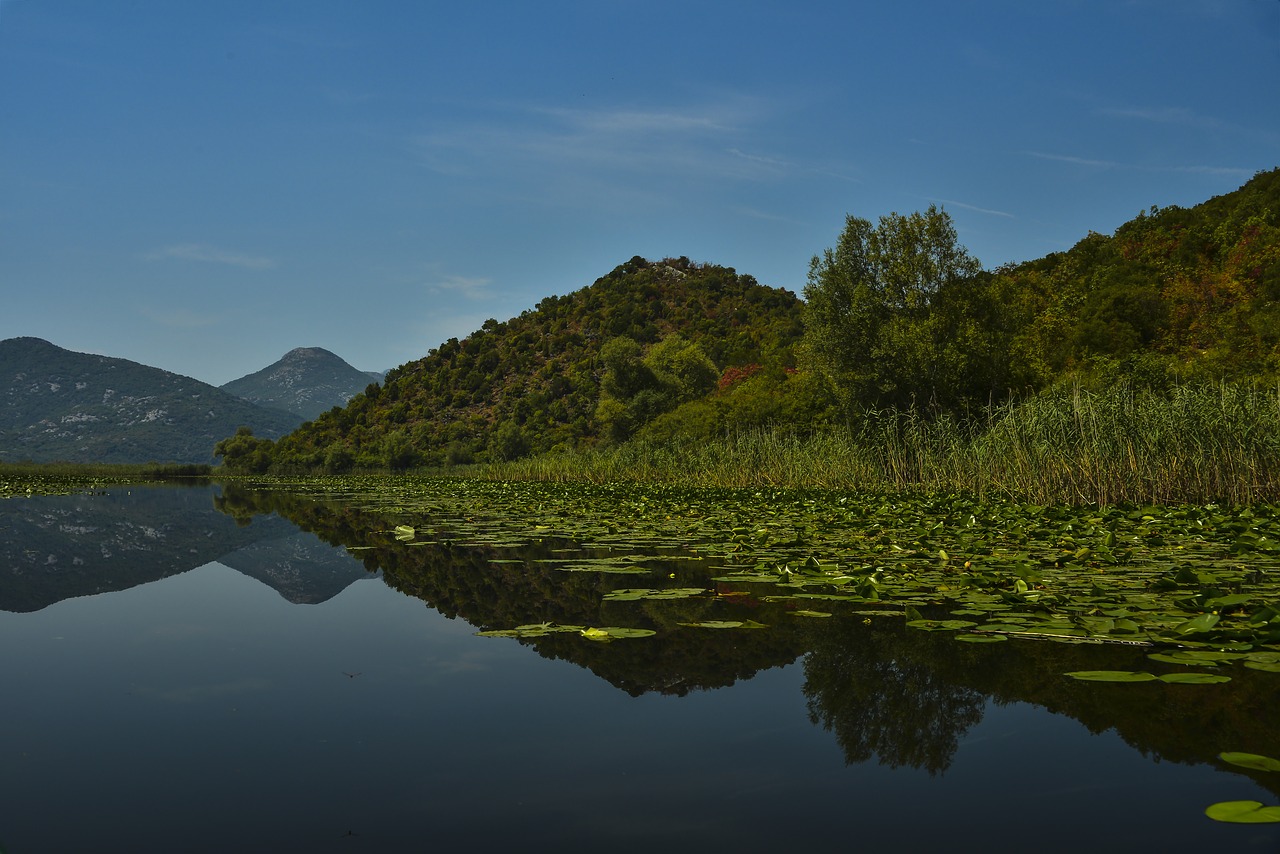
point(202, 186)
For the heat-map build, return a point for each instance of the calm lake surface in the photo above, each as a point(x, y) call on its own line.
point(183, 674)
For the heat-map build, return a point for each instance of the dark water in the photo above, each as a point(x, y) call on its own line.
point(247, 686)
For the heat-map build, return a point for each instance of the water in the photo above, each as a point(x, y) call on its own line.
point(199, 709)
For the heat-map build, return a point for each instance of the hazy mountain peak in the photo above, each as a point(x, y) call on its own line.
point(305, 380)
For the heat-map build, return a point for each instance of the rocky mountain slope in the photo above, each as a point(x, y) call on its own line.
point(306, 381)
point(56, 404)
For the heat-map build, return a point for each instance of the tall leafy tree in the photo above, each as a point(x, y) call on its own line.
point(875, 324)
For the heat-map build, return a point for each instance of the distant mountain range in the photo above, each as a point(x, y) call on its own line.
point(306, 381)
point(59, 405)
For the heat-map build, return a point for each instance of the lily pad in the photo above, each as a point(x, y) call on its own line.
point(1251, 760)
point(609, 633)
point(1112, 675)
point(1267, 666)
point(970, 638)
point(1243, 812)
point(1186, 678)
point(633, 594)
point(941, 625)
point(533, 630)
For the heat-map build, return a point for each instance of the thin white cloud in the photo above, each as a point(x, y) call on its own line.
point(210, 254)
point(1162, 115)
point(1078, 161)
point(546, 144)
point(954, 203)
point(1111, 164)
point(660, 122)
point(768, 162)
point(1213, 170)
point(471, 287)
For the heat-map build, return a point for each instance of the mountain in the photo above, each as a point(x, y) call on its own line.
point(306, 381)
point(595, 365)
point(59, 405)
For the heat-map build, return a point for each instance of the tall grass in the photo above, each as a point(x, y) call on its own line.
point(1193, 444)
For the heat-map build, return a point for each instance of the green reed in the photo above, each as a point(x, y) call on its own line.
point(1193, 444)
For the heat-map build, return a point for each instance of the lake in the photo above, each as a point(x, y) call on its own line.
point(212, 668)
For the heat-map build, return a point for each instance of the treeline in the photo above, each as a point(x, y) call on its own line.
point(897, 317)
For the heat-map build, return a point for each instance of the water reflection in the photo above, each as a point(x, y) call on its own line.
point(223, 717)
point(60, 547)
point(883, 699)
point(901, 696)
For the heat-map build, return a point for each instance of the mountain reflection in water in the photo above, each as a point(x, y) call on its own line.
point(200, 711)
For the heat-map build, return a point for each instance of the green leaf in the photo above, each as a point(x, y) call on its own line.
point(1202, 623)
point(1266, 666)
point(1228, 601)
point(609, 633)
point(625, 632)
point(1187, 678)
point(533, 630)
point(1112, 675)
point(941, 625)
point(1243, 812)
point(1251, 760)
point(982, 638)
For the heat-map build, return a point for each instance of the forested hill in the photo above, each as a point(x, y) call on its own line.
point(897, 316)
point(1175, 295)
point(599, 362)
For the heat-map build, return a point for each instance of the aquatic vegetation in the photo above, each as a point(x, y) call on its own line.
point(1197, 585)
point(1246, 812)
point(18, 480)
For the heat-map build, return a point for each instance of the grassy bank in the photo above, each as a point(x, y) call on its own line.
point(1193, 444)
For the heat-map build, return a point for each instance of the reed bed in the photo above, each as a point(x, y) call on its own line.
point(1192, 444)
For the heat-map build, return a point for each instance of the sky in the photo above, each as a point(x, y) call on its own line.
point(203, 186)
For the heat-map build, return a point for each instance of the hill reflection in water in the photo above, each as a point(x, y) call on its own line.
point(204, 713)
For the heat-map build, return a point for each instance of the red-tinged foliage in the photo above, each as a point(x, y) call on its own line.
point(735, 374)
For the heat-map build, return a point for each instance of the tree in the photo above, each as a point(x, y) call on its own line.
point(872, 319)
point(682, 368)
point(244, 453)
point(638, 387)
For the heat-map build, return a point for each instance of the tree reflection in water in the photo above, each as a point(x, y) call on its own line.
point(903, 696)
point(863, 685)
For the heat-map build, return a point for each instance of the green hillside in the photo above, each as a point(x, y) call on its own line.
point(897, 317)
point(1176, 294)
point(653, 333)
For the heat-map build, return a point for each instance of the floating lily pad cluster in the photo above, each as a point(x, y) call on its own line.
point(1194, 577)
point(537, 630)
point(1246, 812)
